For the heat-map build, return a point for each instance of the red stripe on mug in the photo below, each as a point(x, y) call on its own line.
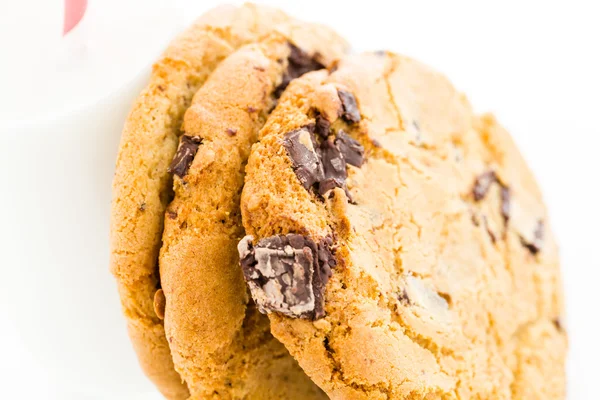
point(74, 10)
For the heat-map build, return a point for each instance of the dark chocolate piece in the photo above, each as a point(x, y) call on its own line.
point(188, 146)
point(558, 323)
point(231, 131)
point(288, 273)
point(334, 167)
point(350, 113)
point(322, 126)
point(352, 150)
point(505, 203)
point(483, 184)
point(535, 246)
point(301, 145)
point(172, 214)
point(299, 63)
point(323, 168)
point(403, 297)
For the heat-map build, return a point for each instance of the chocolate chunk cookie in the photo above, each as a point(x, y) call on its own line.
point(162, 169)
point(222, 347)
point(399, 243)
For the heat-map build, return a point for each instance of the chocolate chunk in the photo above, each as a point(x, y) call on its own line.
point(334, 167)
point(188, 146)
point(403, 297)
point(535, 245)
point(299, 63)
point(231, 131)
point(288, 273)
point(285, 81)
point(351, 149)
point(171, 214)
point(351, 113)
point(323, 168)
point(322, 126)
point(301, 145)
point(142, 207)
point(505, 203)
point(558, 323)
point(483, 184)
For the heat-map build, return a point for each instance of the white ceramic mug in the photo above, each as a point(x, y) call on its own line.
point(68, 97)
point(63, 302)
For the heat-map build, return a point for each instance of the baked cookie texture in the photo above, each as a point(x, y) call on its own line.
point(143, 188)
point(399, 242)
point(222, 347)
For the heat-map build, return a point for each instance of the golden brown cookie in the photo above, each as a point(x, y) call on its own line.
point(143, 186)
point(399, 243)
point(222, 347)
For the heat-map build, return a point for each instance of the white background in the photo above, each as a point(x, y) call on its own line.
point(534, 64)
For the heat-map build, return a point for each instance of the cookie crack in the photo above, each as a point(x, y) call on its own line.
point(390, 93)
point(423, 341)
point(337, 372)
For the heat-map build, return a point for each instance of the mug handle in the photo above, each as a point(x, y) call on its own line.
point(74, 10)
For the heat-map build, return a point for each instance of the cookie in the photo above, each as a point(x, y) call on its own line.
point(399, 243)
point(222, 347)
point(143, 185)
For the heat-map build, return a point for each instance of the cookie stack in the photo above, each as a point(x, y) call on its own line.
point(291, 221)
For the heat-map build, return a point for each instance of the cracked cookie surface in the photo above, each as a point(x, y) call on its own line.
point(143, 186)
point(446, 281)
point(222, 348)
